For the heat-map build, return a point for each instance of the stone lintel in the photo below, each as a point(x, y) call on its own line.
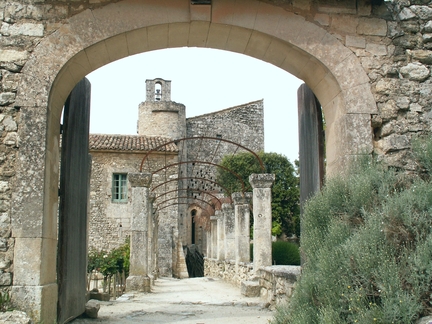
point(140, 179)
point(261, 180)
point(241, 198)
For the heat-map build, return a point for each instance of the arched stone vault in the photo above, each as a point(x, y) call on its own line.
point(97, 37)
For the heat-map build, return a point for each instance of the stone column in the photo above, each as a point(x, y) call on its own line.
point(155, 265)
point(151, 246)
point(220, 236)
point(262, 252)
point(242, 226)
point(213, 236)
point(208, 243)
point(138, 279)
point(228, 214)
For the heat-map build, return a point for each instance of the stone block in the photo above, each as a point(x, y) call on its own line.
point(15, 317)
point(376, 49)
point(138, 283)
point(355, 41)
point(348, 24)
point(12, 55)
point(92, 308)
point(250, 288)
point(372, 26)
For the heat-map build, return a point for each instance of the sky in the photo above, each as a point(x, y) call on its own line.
point(204, 80)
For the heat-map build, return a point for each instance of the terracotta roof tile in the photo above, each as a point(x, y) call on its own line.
point(131, 143)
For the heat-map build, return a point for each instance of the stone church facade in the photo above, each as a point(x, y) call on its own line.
point(160, 120)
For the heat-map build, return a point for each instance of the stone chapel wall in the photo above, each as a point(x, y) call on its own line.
point(109, 222)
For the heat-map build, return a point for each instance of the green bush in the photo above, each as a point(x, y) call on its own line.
point(367, 241)
point(283, 253)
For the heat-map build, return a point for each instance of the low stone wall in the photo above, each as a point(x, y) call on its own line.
point(226, 270)
point(276, 282)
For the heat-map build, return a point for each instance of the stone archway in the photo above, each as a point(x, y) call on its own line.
point(97, 37)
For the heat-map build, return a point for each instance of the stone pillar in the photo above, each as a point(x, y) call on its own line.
point(155, 265)
point(138, 279)
point(150, 231)
point(220, 236)
point(208, 243)
point(262, 252)
point(242, 226)
point(228, 214)
point(213, 234)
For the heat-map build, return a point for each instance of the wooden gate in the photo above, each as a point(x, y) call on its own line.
point(74, 195)
point(311, 143)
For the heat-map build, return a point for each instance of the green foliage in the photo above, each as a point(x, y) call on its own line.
point(367, 238)
point(5, 301)
point(110, 263)
point(283, 253)
point(285, 190)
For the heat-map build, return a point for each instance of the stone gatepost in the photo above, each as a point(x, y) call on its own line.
point(262, 252)
point(213, 236)
point(220, 236)
point(228, 214)
point(242, 226)
point(138, 279)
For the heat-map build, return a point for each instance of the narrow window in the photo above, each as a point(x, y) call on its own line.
point(218, 135)
point(119, 187)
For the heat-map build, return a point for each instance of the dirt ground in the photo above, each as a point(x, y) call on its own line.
point(186, 301)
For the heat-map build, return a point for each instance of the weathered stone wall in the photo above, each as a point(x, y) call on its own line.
point(109, 222)
point(227, 271)
point(276, 283)
point(242, 125)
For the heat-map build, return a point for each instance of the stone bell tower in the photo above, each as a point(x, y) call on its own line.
point(158, 115)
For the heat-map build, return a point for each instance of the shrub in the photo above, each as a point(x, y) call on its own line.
point(110, 263)
point(367, 238)
point(283, 253)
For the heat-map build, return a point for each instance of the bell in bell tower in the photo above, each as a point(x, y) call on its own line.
point(158, 90)
point(158, 115)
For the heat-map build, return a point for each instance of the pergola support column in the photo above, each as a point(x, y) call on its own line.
point(262, 252)
point(213, 236)
point(228, 214)
point(242, 226)
point(220, 235)
point(139, 279)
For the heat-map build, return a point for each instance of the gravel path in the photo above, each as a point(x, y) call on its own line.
point(186, 301)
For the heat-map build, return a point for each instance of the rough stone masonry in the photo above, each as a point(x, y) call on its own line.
point(368, 62)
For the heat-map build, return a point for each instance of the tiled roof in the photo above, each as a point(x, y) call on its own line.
point(129, 143)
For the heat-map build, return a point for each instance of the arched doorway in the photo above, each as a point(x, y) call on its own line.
point(96, 37)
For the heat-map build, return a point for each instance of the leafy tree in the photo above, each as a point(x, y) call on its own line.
point(285, 190)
